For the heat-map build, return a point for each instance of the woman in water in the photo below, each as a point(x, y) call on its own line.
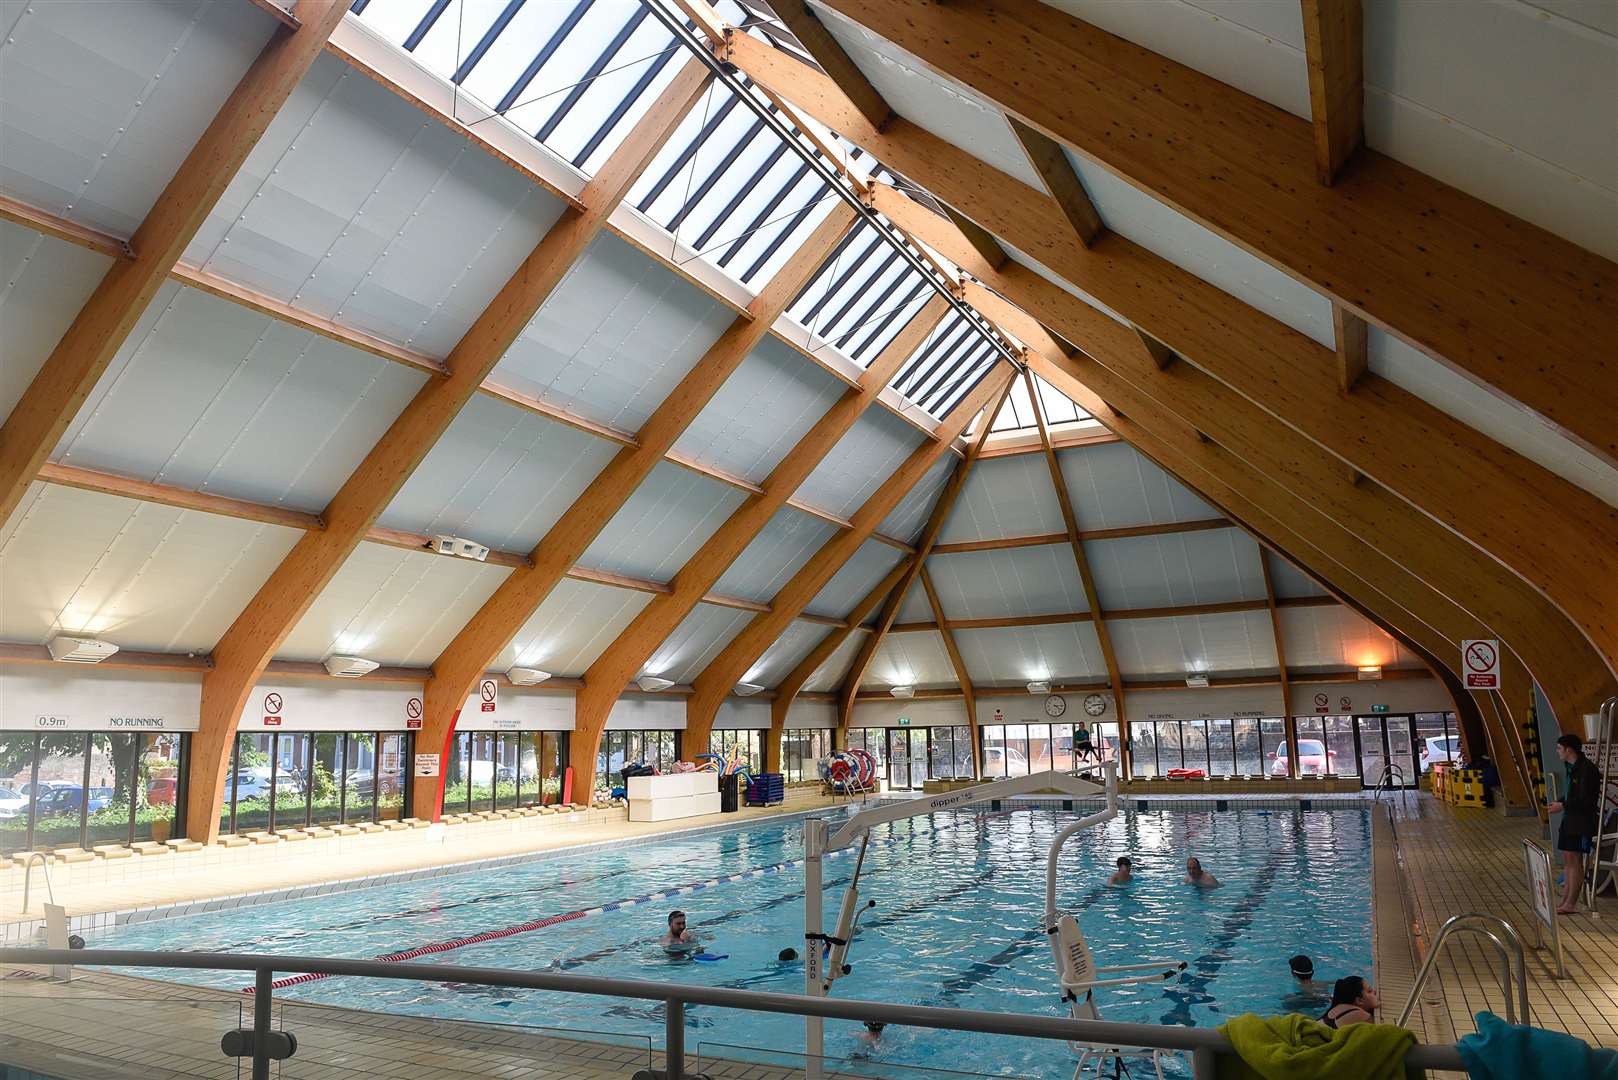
point(1353, 1001)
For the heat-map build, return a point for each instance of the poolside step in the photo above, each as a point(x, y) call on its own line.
point(292, 836)
point(370, 827)
point(232, 840)
point(263, 838)
point(143, 848)
point(395, 826)
point(183, 844)
point(74, 854)
point(319, 832)
point(346, 830)
point(418, 823)
point(112, 851)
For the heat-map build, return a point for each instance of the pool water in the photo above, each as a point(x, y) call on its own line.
point(959, 899)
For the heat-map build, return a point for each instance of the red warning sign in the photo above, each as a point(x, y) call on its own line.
point(413, 714)
point(272, 709)
point(489, 691)
point(1322, 703)
point(1480, 659)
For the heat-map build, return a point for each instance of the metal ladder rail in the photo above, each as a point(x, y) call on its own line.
point(28, 877)
point(1604, 752)
point(1463, 923)
point(1389, 771)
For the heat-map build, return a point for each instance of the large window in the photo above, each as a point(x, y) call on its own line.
point(495, 770)
point(659, 749)
point(292, 780)
point(873, 741)
point(87, 788)
point(1438, 739)
point(949, 753)
point(801, 751)
point(724, 741)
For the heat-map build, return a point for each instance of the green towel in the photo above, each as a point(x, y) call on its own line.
point(1295, 1047)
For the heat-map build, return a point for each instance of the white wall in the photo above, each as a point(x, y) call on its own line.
point(1211, 703)
point(1030, 708)
point(930, 712)
point(328, 705)
point(1399, 695)
point(650, 711)
point(526, 709)
point(812, 714)
point(741, 713)
point(77, 697)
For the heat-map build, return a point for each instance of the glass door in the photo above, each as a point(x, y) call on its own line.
point(907, 758)
point(1383, 741)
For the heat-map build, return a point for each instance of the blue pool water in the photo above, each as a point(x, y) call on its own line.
point(959, 897)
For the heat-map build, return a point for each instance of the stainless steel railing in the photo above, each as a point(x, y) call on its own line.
point(1203, 1045)
point(1472, 922)
point(1604, 761)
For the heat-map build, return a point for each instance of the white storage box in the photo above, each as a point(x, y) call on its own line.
point(673, 785)
point(665, 808)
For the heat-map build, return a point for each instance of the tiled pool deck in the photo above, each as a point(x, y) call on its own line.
point(1445, 860)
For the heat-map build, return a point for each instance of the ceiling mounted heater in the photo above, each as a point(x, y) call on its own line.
point(652, 684)
point(80, 650)
point(349, 667)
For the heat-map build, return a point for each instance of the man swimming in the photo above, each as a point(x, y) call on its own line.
point(1196, 875)
point(678, 938)
point(1307, 995)
point(1124, 874)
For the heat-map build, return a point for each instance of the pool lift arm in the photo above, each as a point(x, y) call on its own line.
point(825, 958)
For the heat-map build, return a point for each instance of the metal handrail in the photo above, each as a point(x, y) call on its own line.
point(1463, 924)
point(1592, 884)
point(28, 877)
point(1203, 1044)
point(1389, 771)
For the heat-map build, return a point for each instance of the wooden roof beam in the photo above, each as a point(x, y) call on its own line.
point(962, 676)
point(722, 674)
point(935, 525)
point(245, 649)
point(514, 601)
point(1443, 270)
point(1334, 47)
point(1056, 172)
point(630, 651)
point(818, 43)
point(52, 399)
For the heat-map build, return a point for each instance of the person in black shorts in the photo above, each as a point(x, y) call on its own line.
point(1579, 809)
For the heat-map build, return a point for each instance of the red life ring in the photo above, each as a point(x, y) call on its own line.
point(839, 770)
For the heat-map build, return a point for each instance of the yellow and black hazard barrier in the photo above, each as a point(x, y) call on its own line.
point(1536, 762)
point(1465, 787)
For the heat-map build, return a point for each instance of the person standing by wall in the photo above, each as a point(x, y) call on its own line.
point(1579, 809)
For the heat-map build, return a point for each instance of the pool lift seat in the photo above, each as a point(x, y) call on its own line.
point(1080, 978)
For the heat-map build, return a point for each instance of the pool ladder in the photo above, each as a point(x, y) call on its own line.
point(1386, 784)
point(1472, 922)
point(28, 878)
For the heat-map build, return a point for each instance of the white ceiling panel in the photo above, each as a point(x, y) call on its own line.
point(43, 283)
point(1005, 497)
point(1504, 421)
point(864, 570)
point(662, 524)
point(1335, 638)
point(913, 91)
point(760, 412)
point(393, 606)
point(1178, 568)
point(616, 336)
point(830, 675)
point(500, 475)
point(208, 395)
point(696, 641)
point(915, 607)
point(917, 659)
point(141, 575)
point(357, 207)
point(1040, 580)
point(1067, 652)
point(1289, 581)
point(103, 101)
point(573, 627)
point(1236, 643)
point(780, 550)
point(906, 520)
point(787, 652)
point(1113, 486)
point(860, 463)
point(1498, 97)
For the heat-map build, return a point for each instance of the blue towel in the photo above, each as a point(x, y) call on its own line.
point(1502, 1051)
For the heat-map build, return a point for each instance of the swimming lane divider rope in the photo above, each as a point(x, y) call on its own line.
point(616, 905)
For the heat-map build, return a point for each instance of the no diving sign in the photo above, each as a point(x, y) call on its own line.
point(1480, 660)
point(488, 691)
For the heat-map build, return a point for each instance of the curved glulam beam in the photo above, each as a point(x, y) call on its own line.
point(1503, 302)
point(42, 414)
point(612, 670)
point(241, 655)
point(513, 603)
point(1381, 431)
point(721, 675)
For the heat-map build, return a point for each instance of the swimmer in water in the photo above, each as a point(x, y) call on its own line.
point(1307, 995)
point(1124, 874)
point(1196, 875)
point(678, 938)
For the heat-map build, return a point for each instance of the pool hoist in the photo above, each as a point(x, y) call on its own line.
point(826, 956)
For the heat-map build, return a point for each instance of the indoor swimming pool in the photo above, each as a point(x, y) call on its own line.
point(958, 898)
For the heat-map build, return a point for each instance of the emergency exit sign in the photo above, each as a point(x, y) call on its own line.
point(904, 721)
point(1379, 708)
